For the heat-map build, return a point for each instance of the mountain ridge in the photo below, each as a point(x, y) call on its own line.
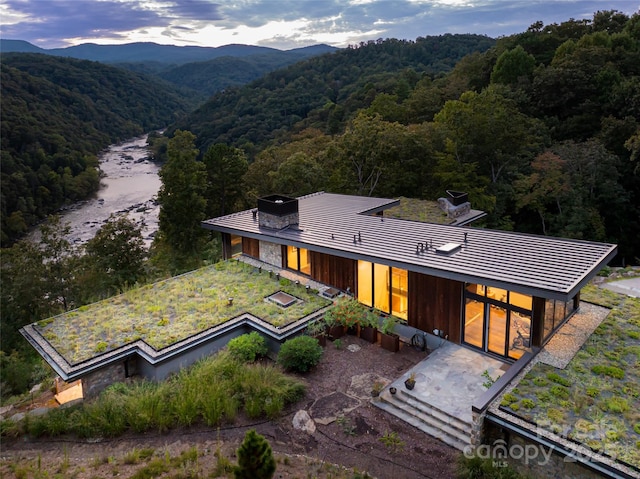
point(155, 52)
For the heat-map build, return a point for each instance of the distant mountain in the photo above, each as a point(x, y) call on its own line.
point(19, 46)
point(224, 72)
point(153, 52)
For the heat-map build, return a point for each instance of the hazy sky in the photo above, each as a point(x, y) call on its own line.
point(280, 24)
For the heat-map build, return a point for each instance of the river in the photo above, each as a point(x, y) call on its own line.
point(129, 185)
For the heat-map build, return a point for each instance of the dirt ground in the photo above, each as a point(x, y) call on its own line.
point(352, 435)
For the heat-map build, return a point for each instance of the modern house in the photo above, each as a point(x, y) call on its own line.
point(499, 292)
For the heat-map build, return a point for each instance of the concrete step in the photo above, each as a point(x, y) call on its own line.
point(416, 402)
point(432, 422)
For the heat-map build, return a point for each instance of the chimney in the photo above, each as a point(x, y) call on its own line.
point(277, 212)
point(456, 205)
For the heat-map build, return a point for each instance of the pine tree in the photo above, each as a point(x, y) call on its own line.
point(181, 197)
point(255, 459)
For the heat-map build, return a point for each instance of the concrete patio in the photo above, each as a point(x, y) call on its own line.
point(447, 382)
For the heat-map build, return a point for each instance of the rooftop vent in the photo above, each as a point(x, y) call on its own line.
point(282, 299)
point(330, 293)
point(448, 248)
point(277, 212)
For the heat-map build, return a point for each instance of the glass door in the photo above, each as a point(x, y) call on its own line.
point(497, 321)
point(474, 323)
point(496, 330)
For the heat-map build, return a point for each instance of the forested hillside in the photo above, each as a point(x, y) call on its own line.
point(331, 86)
point(196, 71)
point(541, 128)
point(215, 75)
point(57, 114)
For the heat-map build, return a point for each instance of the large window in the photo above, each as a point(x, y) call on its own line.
point(383, 287)
point(399, 292)
point(236, 245)
point(497, 320)
point(365, 283)
point(556, 313)
point(298, 259)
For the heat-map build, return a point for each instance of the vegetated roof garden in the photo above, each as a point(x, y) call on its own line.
point(595, 400)
point(172, 310)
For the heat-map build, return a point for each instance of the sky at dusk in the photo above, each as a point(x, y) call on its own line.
point(282, 24)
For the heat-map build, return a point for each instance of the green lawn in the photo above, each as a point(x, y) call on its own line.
point(595, 400)
point(172, 310)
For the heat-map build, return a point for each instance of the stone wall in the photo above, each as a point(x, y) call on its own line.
point(97, 381)
point(271, 253)
point(277, 222)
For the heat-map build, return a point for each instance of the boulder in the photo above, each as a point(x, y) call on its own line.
point(303, 422)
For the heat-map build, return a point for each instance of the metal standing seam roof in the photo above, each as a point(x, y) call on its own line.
point(544, 266)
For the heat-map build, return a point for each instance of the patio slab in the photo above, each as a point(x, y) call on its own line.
point(450, 378)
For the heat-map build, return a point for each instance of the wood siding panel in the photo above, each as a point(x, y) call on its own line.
point(435, 303)
point(251, 247)
point(333, 270)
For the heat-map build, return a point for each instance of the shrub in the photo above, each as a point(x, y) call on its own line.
point(617, 404)
point(543, 395)
point(636, 427)
point(248, 347)
point(610, 371)
point(540, 381)
point(555, 415)
point(592, 391)
point(560, 391)
point(255, 458)
point(300, 354)
point(556, 378)
point(475, 467)
point(508, 399)
point(392, 441)
point(528, 403)
point(347, 312)
point(389, 325)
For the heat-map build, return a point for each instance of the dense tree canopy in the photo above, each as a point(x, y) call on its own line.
point(225, 167)
point(310, 92)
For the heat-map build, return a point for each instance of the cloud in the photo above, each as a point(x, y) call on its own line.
point(51, 23)
point(279, 23)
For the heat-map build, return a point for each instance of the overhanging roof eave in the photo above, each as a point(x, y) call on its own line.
point(439, 273)
point(605, 259)
point(378, 209)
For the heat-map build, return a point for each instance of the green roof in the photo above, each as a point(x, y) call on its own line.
point(175, 309)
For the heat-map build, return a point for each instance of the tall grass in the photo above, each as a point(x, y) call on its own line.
point(212, 391)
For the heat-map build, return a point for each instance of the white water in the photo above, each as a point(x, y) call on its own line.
point(129, 184)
